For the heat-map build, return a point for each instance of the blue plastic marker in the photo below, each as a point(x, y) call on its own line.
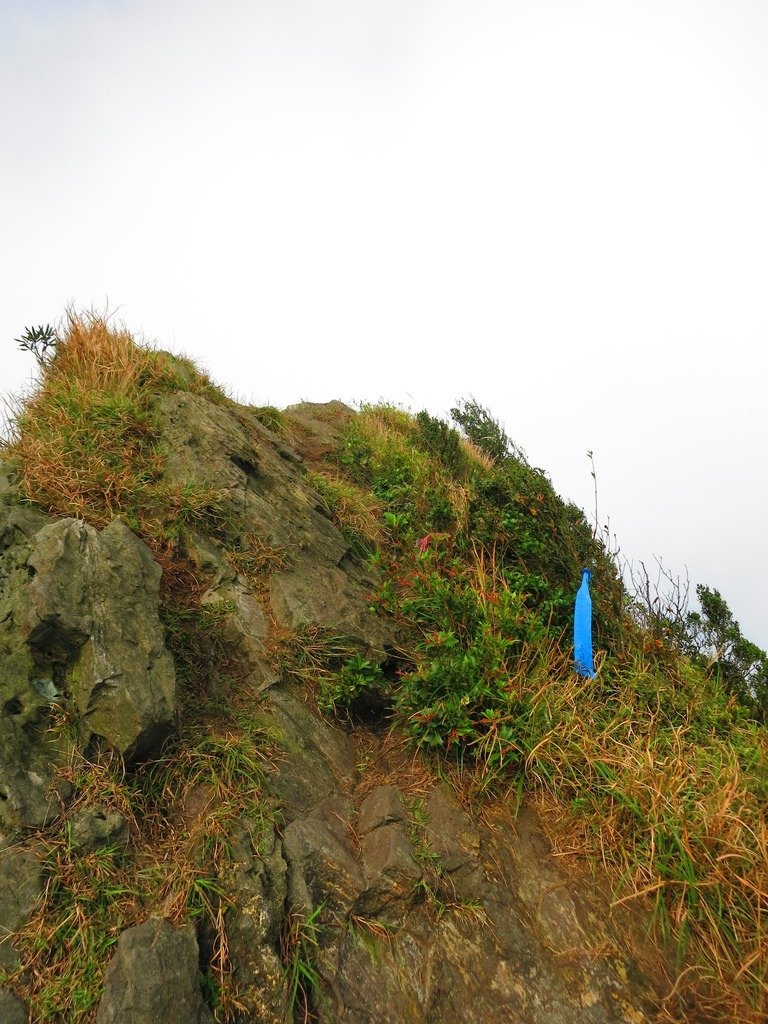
point(582, 628)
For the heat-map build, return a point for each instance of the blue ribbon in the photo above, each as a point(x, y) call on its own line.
point(582, 628)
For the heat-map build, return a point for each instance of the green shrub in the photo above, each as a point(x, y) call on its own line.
point(358, 686)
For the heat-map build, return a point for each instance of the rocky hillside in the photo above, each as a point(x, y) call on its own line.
point(288, 730)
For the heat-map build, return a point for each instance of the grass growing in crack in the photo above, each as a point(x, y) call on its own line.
point(181, 811)
point(87, 902)
point(252, 557)
point(272, 418)
point(310, 656)
point(299, 948)
point(353, 509)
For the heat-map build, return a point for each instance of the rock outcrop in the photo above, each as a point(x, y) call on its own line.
point(319, 584)
point(79, 635)
point(425, 915)
point(154, 977)
point(413, 911)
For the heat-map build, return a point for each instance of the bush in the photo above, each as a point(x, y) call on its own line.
point(483, 430)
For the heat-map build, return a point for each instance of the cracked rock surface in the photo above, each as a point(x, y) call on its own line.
point(422, 914)
point(79, 628)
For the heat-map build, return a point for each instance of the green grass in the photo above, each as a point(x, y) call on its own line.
point(88, 444)
point(664, 773)
point(299, 951)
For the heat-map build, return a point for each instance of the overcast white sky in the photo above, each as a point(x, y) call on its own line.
point(558, 206)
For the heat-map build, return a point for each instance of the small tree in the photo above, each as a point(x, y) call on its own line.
point(483, 430)
point(40, 341)
point(715, 635)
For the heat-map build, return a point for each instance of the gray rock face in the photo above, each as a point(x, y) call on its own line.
point(256, 888)
point(78, 625)
point(11, 1010)
point(455, 842)
point(382, 806)
point(479, 925)
point(154, 978)
point(97, 826)
point(315, 759)
point(321, 585)
point(21, 884)
point(93, 606)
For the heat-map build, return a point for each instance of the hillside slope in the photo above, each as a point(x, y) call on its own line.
point(289, 729)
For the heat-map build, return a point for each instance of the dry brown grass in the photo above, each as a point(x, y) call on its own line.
point(86, 441)
point(352, 508)
point(673, 815)
point(181, 811)
point(389, 759)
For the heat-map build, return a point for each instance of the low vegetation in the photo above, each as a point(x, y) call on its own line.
point(659, 763)
point(88, 443)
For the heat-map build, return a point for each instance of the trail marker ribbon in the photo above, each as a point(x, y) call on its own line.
point(582, 628)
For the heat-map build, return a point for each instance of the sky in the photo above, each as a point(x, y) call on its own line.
point(559, 207)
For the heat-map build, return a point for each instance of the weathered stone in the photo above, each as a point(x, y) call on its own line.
point(94, 603)
point(28, 796)
point(324, 597)
point(315, 759)
point(210, 560)
point(11, 1009)
point(255, 885)
point(322, 869)
point(78, 622)
point(154, 978)
point(97, 826)
point(381, 806)
point(376, 979)
point(21, 884)
point(316, 427)
point(321, 586)
point(454, 840)
point(387, 850)
point(243, 630)
point(390, 870)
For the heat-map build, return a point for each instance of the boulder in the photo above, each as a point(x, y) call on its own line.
point(79, 626)
point(93, 607)
point(154, 978)
point(97, 826)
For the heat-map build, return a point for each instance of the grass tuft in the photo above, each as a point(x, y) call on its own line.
point(655, 766)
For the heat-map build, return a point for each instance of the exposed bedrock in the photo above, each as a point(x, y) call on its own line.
point(80, 639)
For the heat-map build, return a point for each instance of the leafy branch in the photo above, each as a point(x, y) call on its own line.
point(40, 341)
